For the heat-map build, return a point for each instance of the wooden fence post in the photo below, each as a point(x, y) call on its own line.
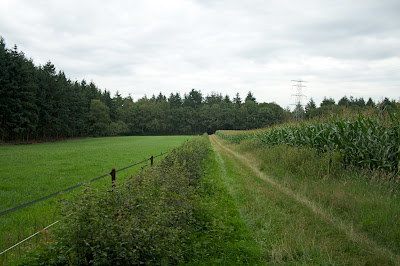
point(151, 160)
point(113, 177)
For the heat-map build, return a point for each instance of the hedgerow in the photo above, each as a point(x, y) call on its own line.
point(147, 220)
point(176, 212)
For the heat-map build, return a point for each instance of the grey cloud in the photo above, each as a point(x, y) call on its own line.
point(146, 45)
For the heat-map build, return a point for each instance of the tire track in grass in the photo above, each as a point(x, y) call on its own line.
point(345, 227)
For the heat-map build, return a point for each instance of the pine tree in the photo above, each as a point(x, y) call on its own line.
point(237, 100)
point(250, 97)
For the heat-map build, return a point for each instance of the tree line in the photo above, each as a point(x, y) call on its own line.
point(345, 104)
point(39, 103)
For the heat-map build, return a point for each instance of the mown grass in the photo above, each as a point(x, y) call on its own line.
point(29, 172)
point(227, 239)
point(356, 216)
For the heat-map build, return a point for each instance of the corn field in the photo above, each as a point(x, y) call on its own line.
point(367, 142)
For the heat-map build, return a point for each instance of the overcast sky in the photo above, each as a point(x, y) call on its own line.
point(340, 47)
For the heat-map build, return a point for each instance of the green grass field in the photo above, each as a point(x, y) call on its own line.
point(28, 172)
point(269, 205)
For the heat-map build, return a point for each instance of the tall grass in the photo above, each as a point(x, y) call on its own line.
point(358, 219)
point(368, 142)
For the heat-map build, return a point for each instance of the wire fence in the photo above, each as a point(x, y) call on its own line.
point(29, 237)
point(112, 173)
point(73, 187)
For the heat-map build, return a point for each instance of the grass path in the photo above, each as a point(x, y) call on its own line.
point(354, 242)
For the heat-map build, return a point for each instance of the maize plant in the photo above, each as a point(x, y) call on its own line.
point(366, 142)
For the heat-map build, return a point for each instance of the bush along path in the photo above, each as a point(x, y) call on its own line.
point(176, 212)
point(297, 217)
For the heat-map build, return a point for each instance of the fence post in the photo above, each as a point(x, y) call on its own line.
point(151, 160)
point(113, 177)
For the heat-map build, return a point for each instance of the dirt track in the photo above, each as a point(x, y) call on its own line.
point(344, 226)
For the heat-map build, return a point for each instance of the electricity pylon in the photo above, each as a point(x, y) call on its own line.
point(298, 97)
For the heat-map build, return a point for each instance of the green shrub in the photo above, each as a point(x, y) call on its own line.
point(148, 220)
point(176, 212)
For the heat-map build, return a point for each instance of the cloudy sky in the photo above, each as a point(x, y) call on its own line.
point(339, 47)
